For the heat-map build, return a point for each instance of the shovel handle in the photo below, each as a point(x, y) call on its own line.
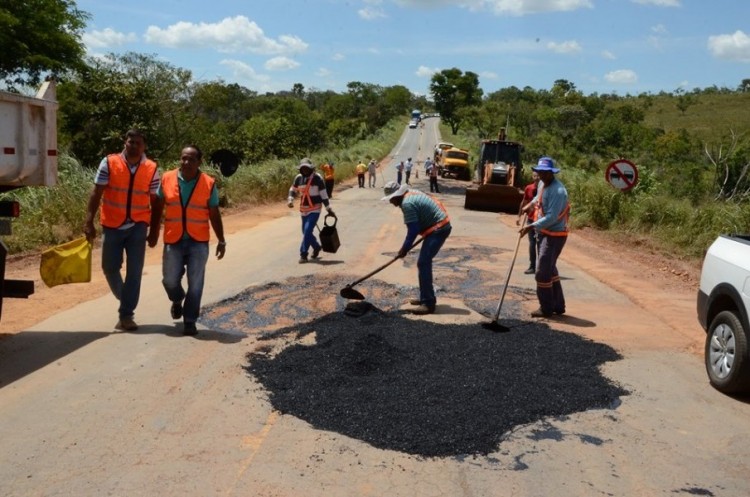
point(363, 278)
point(510, 270)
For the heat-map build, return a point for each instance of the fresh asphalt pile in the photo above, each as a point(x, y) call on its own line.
point(411, 385)
point(432, 390)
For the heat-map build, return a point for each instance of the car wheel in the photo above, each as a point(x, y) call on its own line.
point(726, 354)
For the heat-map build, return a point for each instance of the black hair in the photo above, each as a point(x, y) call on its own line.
point(195, 147)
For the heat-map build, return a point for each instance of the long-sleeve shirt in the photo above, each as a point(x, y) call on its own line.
point(420, 212)
point(554, 199)
point(317, 192)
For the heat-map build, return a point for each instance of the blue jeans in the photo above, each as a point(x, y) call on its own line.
point(191, 256)
point(430, 247)
point(132, 243)
point(308, 233)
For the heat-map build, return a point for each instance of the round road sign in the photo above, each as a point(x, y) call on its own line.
point(622, 174)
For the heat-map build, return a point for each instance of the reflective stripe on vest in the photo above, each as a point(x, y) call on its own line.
point(127, 195)
point(539, 213)
point(440, 223)
point(305, 202)
point(192, 218)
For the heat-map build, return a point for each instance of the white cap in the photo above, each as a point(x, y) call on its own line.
point(393, 189)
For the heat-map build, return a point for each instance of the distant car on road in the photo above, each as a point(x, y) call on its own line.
point(412, 124)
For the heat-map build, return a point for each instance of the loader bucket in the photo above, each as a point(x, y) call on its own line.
point(493, 198)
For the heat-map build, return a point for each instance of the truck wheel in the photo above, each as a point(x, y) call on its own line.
point(726, 354)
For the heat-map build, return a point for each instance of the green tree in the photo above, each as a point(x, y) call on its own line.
point(39, 36)
point(452, 89)
point(115, 93)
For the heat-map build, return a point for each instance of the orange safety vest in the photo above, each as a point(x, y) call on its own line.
point(440, 223)
point(327, 171)
point(193, 217)
point(128, 195)
point(305, 202)
point(539, 213)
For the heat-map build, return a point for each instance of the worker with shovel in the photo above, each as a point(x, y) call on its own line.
point(551, 226)
point(425, 216)
point(312, 191)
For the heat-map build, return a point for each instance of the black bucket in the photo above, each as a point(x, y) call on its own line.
point(329, 236)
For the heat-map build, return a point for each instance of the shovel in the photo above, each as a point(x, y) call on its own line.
point(494, 325)
point(350, 293)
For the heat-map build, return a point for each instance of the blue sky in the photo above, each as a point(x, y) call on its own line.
point(602, 46)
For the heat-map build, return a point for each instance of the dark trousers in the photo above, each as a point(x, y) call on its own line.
point(408, 174)
point(329, 187)
point(532, 248)
point(434, 184)
point(548, 288)
point(361, 180)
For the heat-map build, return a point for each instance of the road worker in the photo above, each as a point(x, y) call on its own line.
point(312, 192)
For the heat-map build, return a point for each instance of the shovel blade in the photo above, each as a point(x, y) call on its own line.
point(351, 294)
point(495, 327)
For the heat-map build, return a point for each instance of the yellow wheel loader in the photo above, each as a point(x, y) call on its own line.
point(499, 180)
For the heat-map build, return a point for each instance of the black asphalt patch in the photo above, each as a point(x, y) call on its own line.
point(428, 389)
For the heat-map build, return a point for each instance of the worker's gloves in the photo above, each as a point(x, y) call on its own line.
point(290, 202)
point(402, 253)
point(330, 212)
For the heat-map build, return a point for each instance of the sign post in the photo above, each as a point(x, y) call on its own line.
point(622, 174)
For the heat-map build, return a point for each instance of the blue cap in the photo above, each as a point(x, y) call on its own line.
point(545, 164)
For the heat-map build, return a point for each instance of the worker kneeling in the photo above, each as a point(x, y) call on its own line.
point(425, 216)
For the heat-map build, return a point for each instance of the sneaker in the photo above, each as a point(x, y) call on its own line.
point(423, 309)
point(303, 259)
point(540, 314)
point(126, 324)
point(531, 270)
point(189, 329)
point(415, 302)
point(176, 310)
point(316, 253)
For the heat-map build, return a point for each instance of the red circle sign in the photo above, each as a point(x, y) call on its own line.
point(622, 174)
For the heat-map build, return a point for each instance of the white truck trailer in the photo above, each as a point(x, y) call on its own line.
point(28, 158)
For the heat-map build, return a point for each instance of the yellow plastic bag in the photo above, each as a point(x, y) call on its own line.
point(67, 263)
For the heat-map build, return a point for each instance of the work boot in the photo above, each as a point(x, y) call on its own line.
point(415, 302)
point(316, 253)
point(176, 310)
point(303, 258)
point(539, 313)
point(531, 270)
point(126, 324)
point(189, 329)
point(423, 309)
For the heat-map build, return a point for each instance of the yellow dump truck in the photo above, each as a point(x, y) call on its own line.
point(454, 162)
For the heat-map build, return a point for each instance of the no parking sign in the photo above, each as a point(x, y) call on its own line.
point(622, 174)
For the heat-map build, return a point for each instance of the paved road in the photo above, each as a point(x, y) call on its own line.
point(85, 411)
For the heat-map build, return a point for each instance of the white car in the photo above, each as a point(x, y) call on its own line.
point(412, 124)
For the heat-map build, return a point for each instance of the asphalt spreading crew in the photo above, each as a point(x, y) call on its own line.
point(311, 189)
point(426, 216)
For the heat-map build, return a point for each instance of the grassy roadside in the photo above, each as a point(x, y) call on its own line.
point(51, 216)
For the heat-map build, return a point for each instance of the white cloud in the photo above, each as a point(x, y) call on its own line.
point(323, 72)
point(621, 76)
point(659, 3)
point(371, 13)
point(488, 75)
point(107, 38)
point(426, 72)
point(281, 64)
point(659, 29)
point(505, 7)
point(244, 72)
point(734, 47)
point(608, 55)
point(338, 57)
point(564, 47)
point(231, 34)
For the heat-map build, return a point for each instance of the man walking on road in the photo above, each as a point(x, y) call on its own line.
point(407, 168)
point(551, 226)
point(432, 172)
point(372, 170)
point(361, 169)
point(528, 195)
point(125, 186)
point(425, 216)
point(399, 172)
point(328, 177)
point(311, 189)
point(192, 203)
